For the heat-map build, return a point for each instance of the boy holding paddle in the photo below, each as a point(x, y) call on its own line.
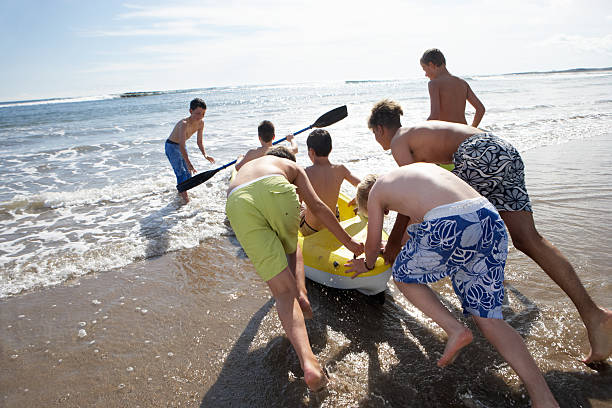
point(263, 210)
point(175, 144)
point(325, 177)
point(266, 134)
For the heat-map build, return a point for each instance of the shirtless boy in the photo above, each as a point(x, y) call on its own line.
point(494, 168)
point(447, 218)
point(448, 93)
point(263, 209)
point(266, 134)
point(175, 144)
point(325, 177)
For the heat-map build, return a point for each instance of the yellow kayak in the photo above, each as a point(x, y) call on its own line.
point(325, 256)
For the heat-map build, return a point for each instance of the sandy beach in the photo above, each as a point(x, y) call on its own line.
point(178, 331)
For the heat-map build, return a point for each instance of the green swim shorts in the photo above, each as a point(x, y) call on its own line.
point(265, 215)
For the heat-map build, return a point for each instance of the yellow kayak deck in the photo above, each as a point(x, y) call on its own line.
point(325, 256)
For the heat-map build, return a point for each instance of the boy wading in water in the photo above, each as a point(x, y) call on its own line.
point(263, 209)
point(448, 93)
point(494, 168)
point(454, 232)
point(175, 144)
point(326, 178)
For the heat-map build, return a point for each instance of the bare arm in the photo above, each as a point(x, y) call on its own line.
point(291, 140)
point(394, 243)
point(201, 142)
point(323, 213)
point(475, 102)
point(434, 98)
point(245, 159)
point(372, 246)
point(403, 156)
point(350, 177)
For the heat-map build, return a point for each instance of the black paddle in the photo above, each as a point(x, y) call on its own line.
point(329, 118)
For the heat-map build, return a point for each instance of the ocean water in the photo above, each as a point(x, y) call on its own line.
point(86, 186)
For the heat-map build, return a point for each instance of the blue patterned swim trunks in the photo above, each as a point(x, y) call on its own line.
point(495, 169)
point(466, 241)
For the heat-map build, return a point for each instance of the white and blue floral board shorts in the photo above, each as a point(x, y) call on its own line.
point(467, 241)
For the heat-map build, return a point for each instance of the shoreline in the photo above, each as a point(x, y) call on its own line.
point(177, 330)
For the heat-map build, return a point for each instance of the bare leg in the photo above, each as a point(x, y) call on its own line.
point(597, 321)
point(184, 196)
point(512, 348)
point(296, 265)
point(426, 301)
point(284, 290)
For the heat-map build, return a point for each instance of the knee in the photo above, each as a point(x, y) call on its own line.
point(527, 241)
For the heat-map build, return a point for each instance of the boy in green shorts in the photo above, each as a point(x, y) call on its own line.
point(263, 209)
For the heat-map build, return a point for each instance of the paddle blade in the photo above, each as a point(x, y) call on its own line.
point(331, 117)
point(196, 180)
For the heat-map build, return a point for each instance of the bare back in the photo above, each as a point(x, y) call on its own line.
point(326, 180)
point(431, 142)
point(451, 93)
point(264, 166)
point(415, 189)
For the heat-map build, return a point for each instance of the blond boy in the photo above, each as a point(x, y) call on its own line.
point(456, 233)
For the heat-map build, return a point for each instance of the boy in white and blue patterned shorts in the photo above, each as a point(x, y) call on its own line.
point(454, 232)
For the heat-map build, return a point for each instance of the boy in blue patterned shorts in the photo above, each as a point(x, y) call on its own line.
point(454, 232)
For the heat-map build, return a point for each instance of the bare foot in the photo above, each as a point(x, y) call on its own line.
point(454, 344)
point(315, 379)
point(314, 376)
point(305, 306)
point(600, 337)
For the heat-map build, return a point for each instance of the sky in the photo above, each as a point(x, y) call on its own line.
point(70, 48)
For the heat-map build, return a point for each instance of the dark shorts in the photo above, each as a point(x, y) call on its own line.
point(494, 168)
point(173, 153)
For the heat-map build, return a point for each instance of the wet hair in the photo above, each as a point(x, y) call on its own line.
point(363, 192)
point(197, 103)
point(320, 141)
point(265, 130)
point(433, 55)
point(386, 113)
point(282, 152)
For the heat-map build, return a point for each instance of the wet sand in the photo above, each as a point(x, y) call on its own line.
point(196, 328)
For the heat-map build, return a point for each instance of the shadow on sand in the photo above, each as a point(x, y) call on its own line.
point(382, 356)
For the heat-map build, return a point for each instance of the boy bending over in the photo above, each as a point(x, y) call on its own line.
point(266, 134)
point(263, 209)
point(325, 177)
point(454, 232)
